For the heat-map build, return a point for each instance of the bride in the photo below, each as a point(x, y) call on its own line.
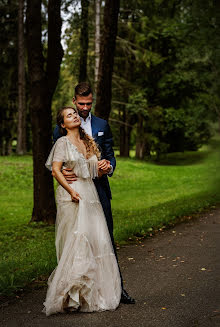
point(87, 276)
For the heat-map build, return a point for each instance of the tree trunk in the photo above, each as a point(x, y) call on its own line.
point(140, 145)
point(21, 128)
point(125, 134)
point(107, 51)
point(42, 87)
point(55, 50)
point(97, 38)
point(83, 41)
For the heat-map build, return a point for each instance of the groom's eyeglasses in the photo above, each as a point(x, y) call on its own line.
point(85, 104)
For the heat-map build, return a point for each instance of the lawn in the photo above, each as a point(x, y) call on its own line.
point(146, 196)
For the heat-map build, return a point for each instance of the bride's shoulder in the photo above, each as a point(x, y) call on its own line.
point(60, 144)
point(60, 140)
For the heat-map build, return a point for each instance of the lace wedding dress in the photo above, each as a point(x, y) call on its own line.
point(87, 276)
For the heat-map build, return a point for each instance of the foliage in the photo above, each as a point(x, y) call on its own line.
point(69, 71)
point(163, 60)
point(167, 54)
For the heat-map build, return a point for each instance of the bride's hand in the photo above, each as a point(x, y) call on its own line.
point(104, 166)
point(75, 196)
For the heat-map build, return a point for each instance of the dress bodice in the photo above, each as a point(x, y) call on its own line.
point(66, 152)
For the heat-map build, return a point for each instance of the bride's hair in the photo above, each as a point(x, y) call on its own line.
point(91, 146)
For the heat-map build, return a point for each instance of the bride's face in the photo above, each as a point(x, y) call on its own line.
point(70, 119)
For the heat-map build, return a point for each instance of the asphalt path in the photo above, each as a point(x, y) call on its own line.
point(174, 277)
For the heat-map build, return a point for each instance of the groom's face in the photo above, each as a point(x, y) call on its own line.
point(83, 104)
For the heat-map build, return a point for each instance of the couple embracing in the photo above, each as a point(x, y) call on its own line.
point(87, 277)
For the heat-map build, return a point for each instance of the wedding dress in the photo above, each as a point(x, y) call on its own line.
point(87, 276)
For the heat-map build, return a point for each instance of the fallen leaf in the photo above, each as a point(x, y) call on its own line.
point(182, 294)
point(203, 269)
point(130, 259)
point(163, 308)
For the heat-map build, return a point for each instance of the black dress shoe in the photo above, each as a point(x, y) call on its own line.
point(125, 298)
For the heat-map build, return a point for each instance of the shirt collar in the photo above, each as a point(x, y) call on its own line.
point(87, 119)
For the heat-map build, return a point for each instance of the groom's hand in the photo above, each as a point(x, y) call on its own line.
point(69, 175)
point(104, 166)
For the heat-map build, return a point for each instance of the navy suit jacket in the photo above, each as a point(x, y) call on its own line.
point(102, 135)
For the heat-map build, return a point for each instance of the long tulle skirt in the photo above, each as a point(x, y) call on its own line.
point(87, 276)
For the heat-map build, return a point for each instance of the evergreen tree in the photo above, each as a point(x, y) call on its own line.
point(43, 77)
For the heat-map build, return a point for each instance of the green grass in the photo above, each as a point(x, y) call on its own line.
point(146, 196)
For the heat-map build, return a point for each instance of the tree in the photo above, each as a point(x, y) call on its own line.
point(43, 77)
point(21, 132)
point(97, 39)
point(167, 54)
point(170, 71)
point(8, 72)
point(108, 41)
point(123, 77)
point(83, 41)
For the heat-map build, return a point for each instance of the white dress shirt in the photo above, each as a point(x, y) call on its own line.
point(87, 124)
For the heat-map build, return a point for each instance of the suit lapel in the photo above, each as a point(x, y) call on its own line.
point(94, 127)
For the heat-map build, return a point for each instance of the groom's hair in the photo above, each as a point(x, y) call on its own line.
point(83, 89)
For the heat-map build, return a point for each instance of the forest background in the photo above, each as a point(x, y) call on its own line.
point(165, 84)
point(154, 67)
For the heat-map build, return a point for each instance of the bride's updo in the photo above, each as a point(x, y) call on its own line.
point(91, 146)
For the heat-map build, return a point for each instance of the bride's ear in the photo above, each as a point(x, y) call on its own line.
point(63, 126)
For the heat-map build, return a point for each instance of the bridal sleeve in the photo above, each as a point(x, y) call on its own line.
point(57, 153)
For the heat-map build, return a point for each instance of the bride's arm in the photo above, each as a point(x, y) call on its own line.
point(56, 171)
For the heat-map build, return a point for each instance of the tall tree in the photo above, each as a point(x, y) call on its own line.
point(97, 38)
point(83, 41)
point(43, 81)
point(21, 128)
point(107, 51)
point(8, 72)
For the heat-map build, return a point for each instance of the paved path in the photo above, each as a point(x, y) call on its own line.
point(174, 277)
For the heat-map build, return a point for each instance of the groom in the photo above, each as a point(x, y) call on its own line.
point(100, 131)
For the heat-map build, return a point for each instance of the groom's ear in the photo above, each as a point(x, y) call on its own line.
point(74, 100)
